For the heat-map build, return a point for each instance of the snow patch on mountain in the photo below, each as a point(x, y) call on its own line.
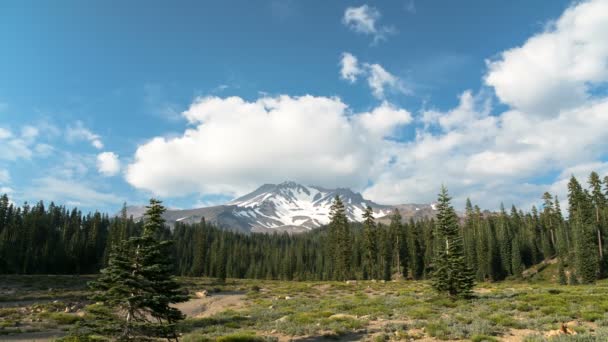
point(289, 207)
point(291, 204)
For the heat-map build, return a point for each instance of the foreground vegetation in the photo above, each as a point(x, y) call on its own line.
point(531, 310)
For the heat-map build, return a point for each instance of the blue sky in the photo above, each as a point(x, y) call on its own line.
point(119, 74)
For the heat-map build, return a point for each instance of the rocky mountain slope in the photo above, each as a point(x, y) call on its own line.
point(288, 206)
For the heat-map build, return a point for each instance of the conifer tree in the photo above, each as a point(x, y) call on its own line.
point(198, 262)
point(470, 235)
point(341, 241)
point(504, 237)
point(516, 263)
point(482, 247)
point(138, 285)
point(222, 260)
point(587, 257)
point(582, 221)
point(385, 261)
point(370, 245)
point(396, 239)
point(599, 204)
point(451, 274)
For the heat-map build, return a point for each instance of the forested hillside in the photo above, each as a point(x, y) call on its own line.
point(39, 239)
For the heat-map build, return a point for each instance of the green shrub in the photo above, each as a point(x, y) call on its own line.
point(592, 316)
point(438, 329)
point(63, 318)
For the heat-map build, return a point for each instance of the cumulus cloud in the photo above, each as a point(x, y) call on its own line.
point(555, 69)
point(108, 163)
point(382, 120)
point(378, 78)
point(363, 19)
point(78, 132)
point(235, 145)
point(488, 157)
point(468, 109)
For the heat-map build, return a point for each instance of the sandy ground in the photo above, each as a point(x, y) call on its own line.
point(213, 304)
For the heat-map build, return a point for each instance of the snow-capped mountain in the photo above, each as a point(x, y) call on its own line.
point(288, 206)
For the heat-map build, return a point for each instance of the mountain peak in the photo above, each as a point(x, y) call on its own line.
point(290, 206)
point(289, 184)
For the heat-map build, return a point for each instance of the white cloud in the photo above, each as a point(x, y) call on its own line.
point(382, 120)
point(5, 133)
point(555, 69)
point(14, 148)
point(468, 109)
point(78, 132)
point(349, 67)
point(108, 163)
point(236, 145)
point(378, 79)
point(25, 145)
point(363, 19)
point(492, 158)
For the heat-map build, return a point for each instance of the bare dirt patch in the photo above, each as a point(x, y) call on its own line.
point(213, 304)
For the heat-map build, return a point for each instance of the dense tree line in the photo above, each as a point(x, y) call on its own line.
point(496, 245)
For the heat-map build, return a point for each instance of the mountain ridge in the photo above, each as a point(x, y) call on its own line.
point(287, 206)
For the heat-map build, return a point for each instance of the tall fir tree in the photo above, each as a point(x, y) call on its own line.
point(397, 245)
point(582, 222)
point(516, 260)
point(598, 201)
point(370, 240)
point(198, 263)
point(138, 284)
point(451, 274)
point(340, 239)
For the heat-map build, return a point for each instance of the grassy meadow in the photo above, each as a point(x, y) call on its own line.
point(49, 307)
